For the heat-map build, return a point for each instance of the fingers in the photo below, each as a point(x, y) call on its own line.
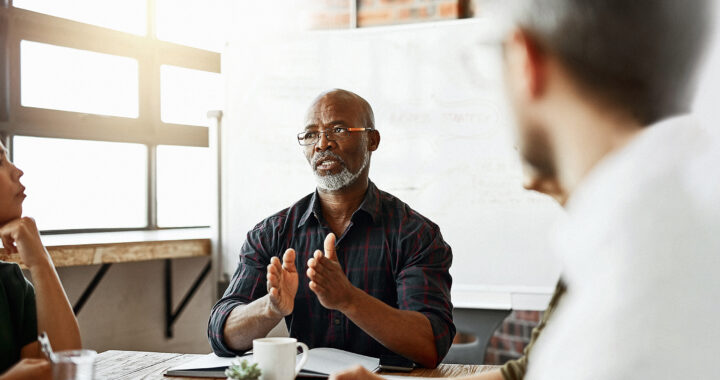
point(29, 222)
point(316, 260)
point(330, 247)
point(316, 276)
point(274, 267)
point(315, 287)
point(274, 271)
point(319, 268)
point(289, 261)
point(274, 292)
point(271, 284)
point(6, 233)
point(8, 243)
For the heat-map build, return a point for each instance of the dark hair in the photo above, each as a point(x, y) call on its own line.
point(638, 56)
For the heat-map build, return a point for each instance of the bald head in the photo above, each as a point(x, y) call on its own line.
point(343, 132)
point(345, 99)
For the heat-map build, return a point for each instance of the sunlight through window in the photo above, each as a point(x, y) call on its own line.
point(192, 23)
point(184, 186)
point(123, 15)
point(67, 79)
point(187, 95)
point(75, 184)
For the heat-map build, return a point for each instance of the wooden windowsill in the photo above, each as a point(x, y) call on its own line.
point(122, 247)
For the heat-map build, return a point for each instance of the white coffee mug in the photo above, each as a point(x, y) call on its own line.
point(276, 357)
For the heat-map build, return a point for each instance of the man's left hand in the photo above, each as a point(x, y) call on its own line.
point(328, 280)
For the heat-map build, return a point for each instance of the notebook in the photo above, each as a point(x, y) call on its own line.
point(321, 363)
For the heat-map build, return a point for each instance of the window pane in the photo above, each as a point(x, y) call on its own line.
point(187, 95)
point(77, 80)
point(75, 184)
point(123, 15)
point(198, 24)
point(184, 186)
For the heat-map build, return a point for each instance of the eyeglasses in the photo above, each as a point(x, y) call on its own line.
point(332, 134)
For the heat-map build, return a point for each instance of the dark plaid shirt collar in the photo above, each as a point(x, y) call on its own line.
point(370, 205)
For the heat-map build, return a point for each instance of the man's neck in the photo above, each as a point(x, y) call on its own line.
point(585, 136)
point(339, 206)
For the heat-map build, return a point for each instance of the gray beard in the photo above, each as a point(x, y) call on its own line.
point(333, 182)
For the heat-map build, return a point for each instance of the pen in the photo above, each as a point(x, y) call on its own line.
point(45, 346)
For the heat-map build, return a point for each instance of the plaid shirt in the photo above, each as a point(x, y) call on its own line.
point(388, 250)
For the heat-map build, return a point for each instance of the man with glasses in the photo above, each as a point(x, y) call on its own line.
point(381, 286)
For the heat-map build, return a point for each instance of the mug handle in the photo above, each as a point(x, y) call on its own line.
point(303, 359)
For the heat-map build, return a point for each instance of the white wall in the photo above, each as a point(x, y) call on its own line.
point(446, 147)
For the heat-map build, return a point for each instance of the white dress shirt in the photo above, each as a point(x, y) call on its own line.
point(640, 249)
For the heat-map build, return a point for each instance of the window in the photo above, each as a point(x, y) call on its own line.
point(186, 95)
point(184, 185)
point(123, 15)
point(75, 184)
point(198, 24)
point(105, 110)
point(67, 79)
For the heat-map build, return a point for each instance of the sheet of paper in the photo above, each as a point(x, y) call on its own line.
point(209, 361)
point(330, 360)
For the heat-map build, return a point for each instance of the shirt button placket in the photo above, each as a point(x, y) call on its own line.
point(339, 333)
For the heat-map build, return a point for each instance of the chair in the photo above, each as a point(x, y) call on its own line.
point(478, 323)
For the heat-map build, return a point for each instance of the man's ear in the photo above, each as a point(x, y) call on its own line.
point(373, 140)
point(524, 63)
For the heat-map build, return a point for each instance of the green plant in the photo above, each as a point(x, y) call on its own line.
point(243, 371)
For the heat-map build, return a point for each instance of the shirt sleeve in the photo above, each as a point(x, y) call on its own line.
point(28, 321)
point(247, 284)
point(423, 283)
point(516, 369)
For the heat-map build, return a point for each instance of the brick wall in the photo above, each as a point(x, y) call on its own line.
point(389, 12)
point(336, 14)
point(327, 14)
point(511, 337)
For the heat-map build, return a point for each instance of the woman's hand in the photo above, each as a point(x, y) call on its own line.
point(54, 313)
point(27, 369)
point(21, 236)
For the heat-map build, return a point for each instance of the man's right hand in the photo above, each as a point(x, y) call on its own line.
point(282, 283)
point(26, 369)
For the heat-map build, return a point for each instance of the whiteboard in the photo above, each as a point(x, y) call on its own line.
point(446, 146)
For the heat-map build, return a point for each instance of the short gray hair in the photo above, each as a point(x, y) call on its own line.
point(638, 56)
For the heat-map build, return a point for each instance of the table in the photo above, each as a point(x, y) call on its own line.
point(122, 365)
point(120, 247)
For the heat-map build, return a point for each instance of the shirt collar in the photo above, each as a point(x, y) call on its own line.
point(370, 205)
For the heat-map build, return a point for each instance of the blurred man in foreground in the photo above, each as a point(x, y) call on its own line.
point(601, 91)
